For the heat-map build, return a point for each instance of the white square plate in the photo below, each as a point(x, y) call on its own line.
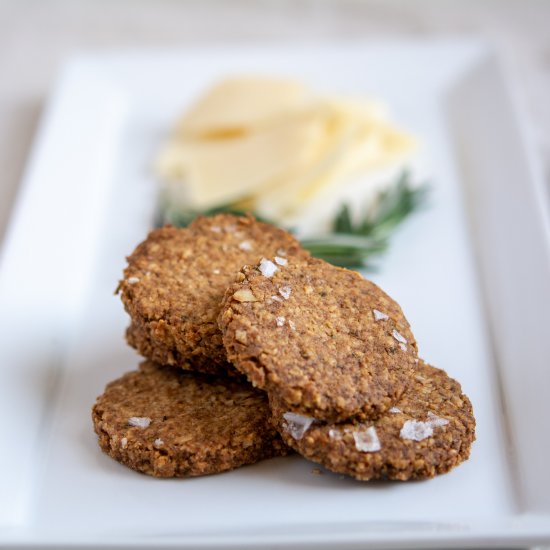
point(472, 273)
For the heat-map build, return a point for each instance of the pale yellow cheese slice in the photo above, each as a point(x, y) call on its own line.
point(239, 105)
point(283, 196)
point(221, 171)
point(359, 139)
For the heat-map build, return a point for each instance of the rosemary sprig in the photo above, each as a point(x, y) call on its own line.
point(351, 244)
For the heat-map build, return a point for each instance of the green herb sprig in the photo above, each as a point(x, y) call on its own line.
point(351, 244)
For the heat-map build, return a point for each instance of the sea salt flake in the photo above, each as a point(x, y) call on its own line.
point(124, 442)
point(379, 316)
point(285, 291)
point(395, 410)
point(292, 324)
point(296, 424)
point(216, 271)
point(367, 441)
point(216, 229)
point(267, 268)
point(416, 430)
point(403, 346)
point(139, 421)
point(158, 442)
point(399, 337)
point(276, 299)
point(245, 245)
point(436, 420)
point(281, 252)
point(334, 434)
point(133, 280)
point(280, 321)
point(280, 261)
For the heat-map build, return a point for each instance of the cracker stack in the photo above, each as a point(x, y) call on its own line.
point(254, 347)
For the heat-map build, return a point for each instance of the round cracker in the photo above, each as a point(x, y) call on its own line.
point(176, 279)
point(166, 422)
point(429, 432)
point(320, 339)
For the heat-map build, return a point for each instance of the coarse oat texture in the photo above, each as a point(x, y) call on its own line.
point(166, 422)
point(321, 340)
point(175, 281)
point(428, 432)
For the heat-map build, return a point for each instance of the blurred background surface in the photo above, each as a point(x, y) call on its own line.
point(37, 36)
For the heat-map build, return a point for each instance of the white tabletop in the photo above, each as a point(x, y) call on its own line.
point(34, 41)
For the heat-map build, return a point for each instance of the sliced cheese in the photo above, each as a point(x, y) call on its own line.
point(222, 171)
point(356, 143)
point(283, 196)
point(271, 146)
point(239, 105)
